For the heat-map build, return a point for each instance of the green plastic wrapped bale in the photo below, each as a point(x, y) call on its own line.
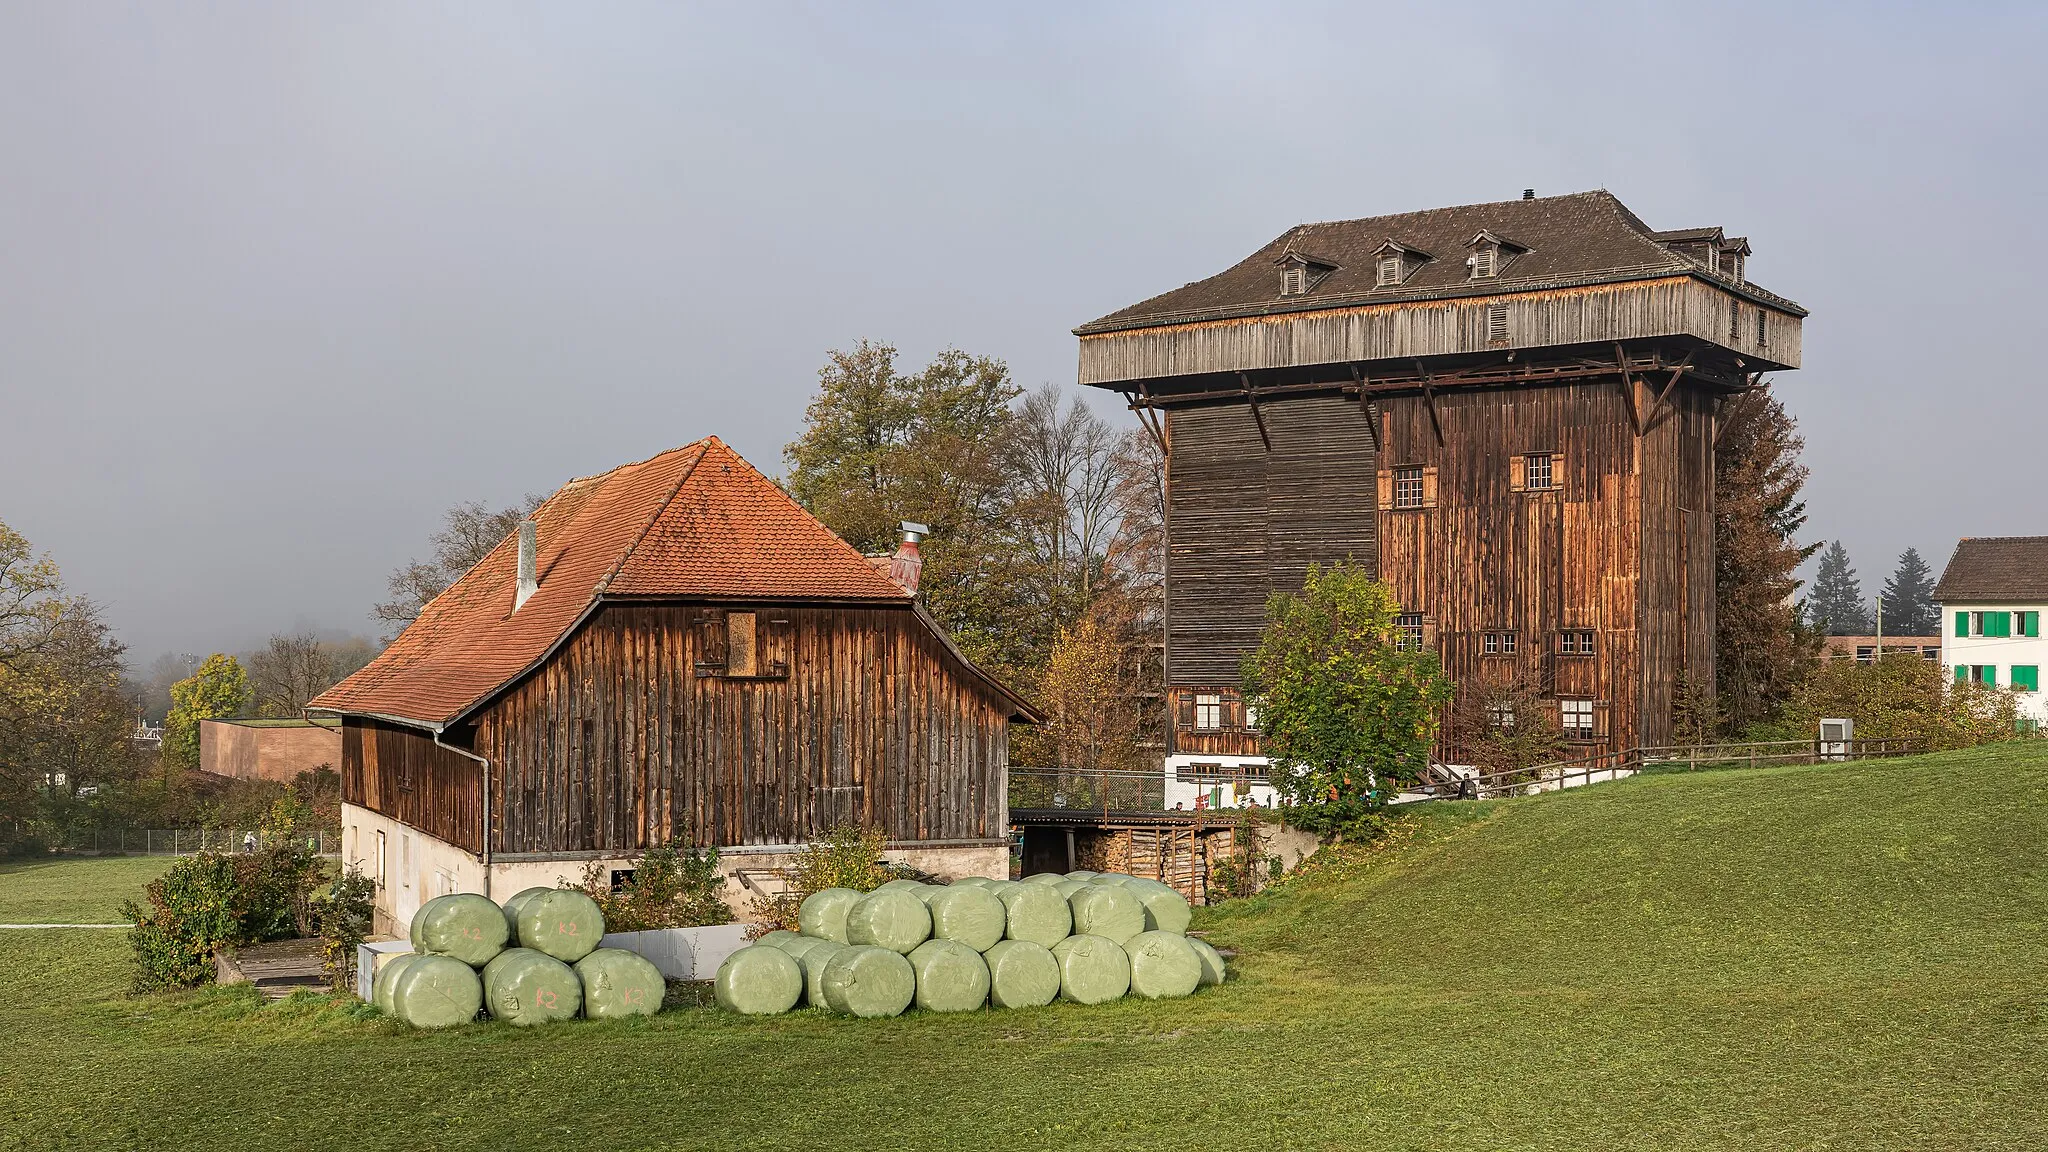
point(969, 915)
point(867, 981)
point(561, 922)
point(889, 918)
point(1093, 969)
point(1038, 913)
point(436, 992)
point(387, 978)
point(1113, 879)
point(775, 937)
point(1212, 961)
point(524, 986)
point(1165, 909)
point(1108, 911)
point(619, 983)
point(813, 963)
point(465, 926)
point(974, 882)
point(925, 892)
point(1001, 886)
point(1044, 878)
point(512, 908)
point(1082, 874)
point(951, 977)
point(796, 946)
point(893, 885)
point(1069, 887)
point(823, 913)
point(1162, 965)
point(1022, 974)
point(758, 981)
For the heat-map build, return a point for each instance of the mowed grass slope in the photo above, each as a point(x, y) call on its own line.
point(1842, 957)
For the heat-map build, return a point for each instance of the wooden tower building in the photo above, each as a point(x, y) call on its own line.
point(1509, 409)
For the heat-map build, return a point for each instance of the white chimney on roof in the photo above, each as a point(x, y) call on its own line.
point(907, 565)
point(529, 564)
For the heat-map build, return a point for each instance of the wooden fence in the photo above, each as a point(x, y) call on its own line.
point(1681, 758)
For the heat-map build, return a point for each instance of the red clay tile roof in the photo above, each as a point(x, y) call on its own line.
point(696, 522)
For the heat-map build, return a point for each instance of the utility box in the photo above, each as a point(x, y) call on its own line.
point(1835, 736)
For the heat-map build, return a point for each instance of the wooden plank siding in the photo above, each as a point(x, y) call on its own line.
point(1598, 316)
point(630, 734)
point(401, 773)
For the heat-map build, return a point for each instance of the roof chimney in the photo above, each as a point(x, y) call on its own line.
point(1528, 193)
point(529, 564)
point(907, 565)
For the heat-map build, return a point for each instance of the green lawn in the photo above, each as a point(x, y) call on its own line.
point(86, 890)
point(1847, 957)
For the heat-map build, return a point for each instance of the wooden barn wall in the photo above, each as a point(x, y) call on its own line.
point(1231, 737)
point(619, 743)
point(1245, 522)
point(401, 773)
point(1362, 331)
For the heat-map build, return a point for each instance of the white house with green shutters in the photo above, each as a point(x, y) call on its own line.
point(1992, 595)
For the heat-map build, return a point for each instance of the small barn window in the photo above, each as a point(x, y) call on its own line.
point(1734, 321)
point(380, 864)
point(1576, 718)
point(1208, 711)
point(1293, 280)
point(1390, 270)
point(1575, 643)
point(1760, 328)
point(1497, 323)
point(1735, 268)
point(1536, 471)
point(1408, 632)
point(1497, 644)
point(1713, 258)
point(1485, 260)
point(1408, 487)
point(1502, 716)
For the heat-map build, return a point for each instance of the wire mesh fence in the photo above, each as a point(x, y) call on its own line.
point(1081, 788)
point(180, 841)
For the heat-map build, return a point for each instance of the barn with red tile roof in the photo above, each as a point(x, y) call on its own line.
point(687, 655)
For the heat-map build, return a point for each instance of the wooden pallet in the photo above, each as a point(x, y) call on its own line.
point(277, 969)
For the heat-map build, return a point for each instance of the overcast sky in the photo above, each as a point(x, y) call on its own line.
point(278, 284)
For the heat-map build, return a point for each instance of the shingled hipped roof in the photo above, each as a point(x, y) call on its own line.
point(694, 523)
point(1996, 570)
point(1583, 238)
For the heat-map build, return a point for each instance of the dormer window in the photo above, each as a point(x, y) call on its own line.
point(1299, 274)
point(1735, 268)
point(1485, 262)
point(1491, 252)
point(1390, 270)
point(1397, 262)
point(1713, 259)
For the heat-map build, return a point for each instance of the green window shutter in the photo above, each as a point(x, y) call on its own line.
point(1990, 674)
point(1962, 623)
point(2030, 623)
point(2026, 677)
point(1998, 624)
point(1962, 674)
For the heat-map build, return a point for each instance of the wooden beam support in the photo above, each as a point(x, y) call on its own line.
point(1148, 416)
point(1657, 409)
point(1372, 417)
point(1628, 390)
point(1429, 398)
point(1725, 421)
point(1257, 417)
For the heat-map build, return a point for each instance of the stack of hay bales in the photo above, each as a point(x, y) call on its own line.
point(553, 969)
point(1083, 937)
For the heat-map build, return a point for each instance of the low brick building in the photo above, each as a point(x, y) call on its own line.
point(268, 749)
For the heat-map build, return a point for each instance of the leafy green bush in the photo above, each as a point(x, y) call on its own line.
point(673, 886)
point(342, 917)
point(217, 899)
point(849, 856)
point(1902, 696)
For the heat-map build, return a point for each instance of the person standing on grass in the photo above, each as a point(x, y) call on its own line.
point(249, 842)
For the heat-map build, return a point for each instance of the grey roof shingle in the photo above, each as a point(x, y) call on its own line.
point(1995, 569)
point(1581, 238)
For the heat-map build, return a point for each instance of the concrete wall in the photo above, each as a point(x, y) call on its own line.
point(268, 751)
point(414, 867)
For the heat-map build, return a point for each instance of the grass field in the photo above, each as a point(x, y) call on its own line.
point(1841, 957)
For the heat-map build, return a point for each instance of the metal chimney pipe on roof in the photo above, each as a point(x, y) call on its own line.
point(529, 563)
point(906, 567)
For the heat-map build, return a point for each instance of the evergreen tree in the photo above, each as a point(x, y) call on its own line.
point(1764, 654)
point(1909, 598)
point(1837, 604)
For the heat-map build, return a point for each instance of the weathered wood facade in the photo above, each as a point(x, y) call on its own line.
point(1527, 459)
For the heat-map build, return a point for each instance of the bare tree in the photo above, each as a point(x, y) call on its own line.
point(1068, 460)
point(468, 533)
point(288, 672)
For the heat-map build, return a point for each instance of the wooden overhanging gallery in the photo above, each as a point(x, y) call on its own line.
point(675, 649)
point(1509, 410)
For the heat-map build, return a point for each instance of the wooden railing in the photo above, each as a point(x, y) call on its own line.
point(1616, 765)
point(1086, 789)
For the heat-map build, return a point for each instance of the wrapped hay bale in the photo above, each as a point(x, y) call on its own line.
point(893, 885)
point(1114, 879)
point(889, 918)
point(1165, 909)
point(868, 981)
point(525, 986)
point(1069, 887)
point(951, 977)
point(796, 946)
point(436, 992)
point(758, 981)
point(387, 978)
point(1082, 874)
point(465, 926)
point(823, 913)
point(1044, 878)
point(974, 882)
point(561, 922)
point(512, 908)
point(1212, 961)
point(1038, 913)
point(619, 983)
point(925, 892)
point(1107, 911)
point(1162, 965)
point(775, 937)
point(970, 915)
point(813, 963)
point(1093, 969)
point(1001, 886)
point(1022, 974)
